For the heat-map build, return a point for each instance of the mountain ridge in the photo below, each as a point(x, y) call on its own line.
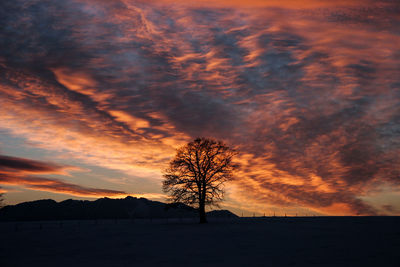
point(102, 208)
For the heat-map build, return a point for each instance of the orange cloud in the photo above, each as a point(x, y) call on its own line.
point(307, 91)
point(17, 171)
point(266, 3)
point(57, 186)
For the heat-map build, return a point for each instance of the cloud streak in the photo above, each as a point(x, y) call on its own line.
point(18, 171)
point(26, 165)
point(308, 93)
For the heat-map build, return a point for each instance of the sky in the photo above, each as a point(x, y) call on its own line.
point(96, 96)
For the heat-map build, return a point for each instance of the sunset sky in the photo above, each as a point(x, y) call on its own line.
point(96, 95)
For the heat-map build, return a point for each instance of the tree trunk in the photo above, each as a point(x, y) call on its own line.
point(202, 213)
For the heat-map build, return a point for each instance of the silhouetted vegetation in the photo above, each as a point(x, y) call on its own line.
point(198, 172)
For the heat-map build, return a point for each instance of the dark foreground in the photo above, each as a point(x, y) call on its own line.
point(312, 241)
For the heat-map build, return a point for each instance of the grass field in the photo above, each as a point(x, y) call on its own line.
point(298, 241)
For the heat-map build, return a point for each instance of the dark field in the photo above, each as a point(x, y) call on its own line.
point(307, 241)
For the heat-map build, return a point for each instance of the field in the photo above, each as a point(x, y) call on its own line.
point(277, 241)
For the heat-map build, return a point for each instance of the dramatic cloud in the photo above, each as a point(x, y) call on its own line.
point(15, 171)
point(309, 92)
point(57, 186)
point(11, 164)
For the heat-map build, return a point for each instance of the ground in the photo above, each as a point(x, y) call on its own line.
point(307, 241)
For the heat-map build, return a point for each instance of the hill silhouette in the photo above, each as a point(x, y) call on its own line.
point(103, 208)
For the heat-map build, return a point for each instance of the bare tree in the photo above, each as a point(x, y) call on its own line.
point(197, 173)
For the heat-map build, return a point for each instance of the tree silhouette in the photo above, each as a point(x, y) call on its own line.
point(197, 173)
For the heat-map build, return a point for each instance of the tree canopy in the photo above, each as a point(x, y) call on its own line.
point(197, 173)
